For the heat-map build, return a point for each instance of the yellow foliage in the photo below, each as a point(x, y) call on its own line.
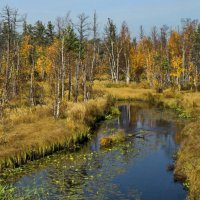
point(25, 52)
point(177, 66)
point(137, 58)
point(174, 44)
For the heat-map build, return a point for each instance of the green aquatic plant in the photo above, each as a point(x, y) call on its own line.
point(114, 111)
point(108, 117)
point(77, 175)
point(182, 113)
point(186, 185)
point(8, 193)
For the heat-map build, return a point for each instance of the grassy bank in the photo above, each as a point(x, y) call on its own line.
point(31, 134)
point(185, 103)
point(187, 167)
point(123, 92)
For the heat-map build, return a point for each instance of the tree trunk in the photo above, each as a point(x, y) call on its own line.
point(128, 73)
point(77, 81)
point(57, 75)
point(32, 103)
point(58, 100)
point(63, 71)
point(183, 62)
point(84, 84)
point(7, 67)
point(117, 69)
point(70, 82)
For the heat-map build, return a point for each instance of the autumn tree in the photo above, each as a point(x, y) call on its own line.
point(9, 18)
point(125, 39)
point(137, 61)
point(195, 62)
point(188, 27)
point(176, 57)
point(82, 28)
point(72, 49)
point(57, 62)
point(113, 48)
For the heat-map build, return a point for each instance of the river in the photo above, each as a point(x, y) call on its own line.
point(135, 169)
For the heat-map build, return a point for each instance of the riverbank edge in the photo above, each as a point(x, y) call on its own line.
point(73, 141)
point(187, 166)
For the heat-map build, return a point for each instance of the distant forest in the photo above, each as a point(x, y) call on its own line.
point(57, 62)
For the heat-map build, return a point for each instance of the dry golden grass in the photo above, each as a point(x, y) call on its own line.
point(34, 134)
point(113, 139)
point(123, 92)
point(128, 93)
point(27, 115)
point(188, 161)
point(188, 101)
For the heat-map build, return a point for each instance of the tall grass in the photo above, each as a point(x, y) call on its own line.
point(34, 134)
point(123, 92)
point(187, 167)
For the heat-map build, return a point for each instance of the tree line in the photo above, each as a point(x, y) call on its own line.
point(61, 60)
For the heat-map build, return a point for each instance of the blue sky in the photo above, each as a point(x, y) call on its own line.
point(148, 13)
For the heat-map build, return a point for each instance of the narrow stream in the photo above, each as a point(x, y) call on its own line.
point(135, 169)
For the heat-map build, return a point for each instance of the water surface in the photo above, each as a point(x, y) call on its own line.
point(135, 169)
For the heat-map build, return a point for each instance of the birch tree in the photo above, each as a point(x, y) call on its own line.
point(82, 28)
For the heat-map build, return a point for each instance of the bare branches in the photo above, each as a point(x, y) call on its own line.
point(83, 26)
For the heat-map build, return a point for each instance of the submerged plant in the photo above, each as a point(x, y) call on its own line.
point(8, 193)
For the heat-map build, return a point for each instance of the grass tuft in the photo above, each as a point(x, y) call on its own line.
point(113, 139)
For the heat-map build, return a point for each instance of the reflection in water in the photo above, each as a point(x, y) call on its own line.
point(135, 169)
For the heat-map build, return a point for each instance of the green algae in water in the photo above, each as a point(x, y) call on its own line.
point(77, 175)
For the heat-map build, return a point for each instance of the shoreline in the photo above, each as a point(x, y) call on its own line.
point(32, 141)
point(180, 103)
